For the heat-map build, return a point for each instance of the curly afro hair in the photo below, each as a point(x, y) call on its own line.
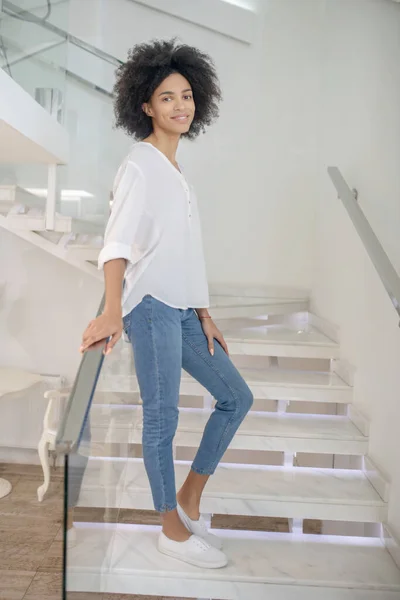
point(146, 68)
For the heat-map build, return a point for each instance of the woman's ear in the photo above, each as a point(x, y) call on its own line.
point(146, 109)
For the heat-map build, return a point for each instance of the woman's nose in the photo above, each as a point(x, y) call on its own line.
point(179, 105)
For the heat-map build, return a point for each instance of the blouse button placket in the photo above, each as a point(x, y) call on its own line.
point(187, 192)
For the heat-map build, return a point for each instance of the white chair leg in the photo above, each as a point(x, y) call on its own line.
point(43, 449)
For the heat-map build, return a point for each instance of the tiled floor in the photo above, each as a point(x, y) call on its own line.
point(31, 535)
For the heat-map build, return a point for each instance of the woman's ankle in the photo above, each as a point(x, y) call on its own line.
point(173, 527)
point(190, 504)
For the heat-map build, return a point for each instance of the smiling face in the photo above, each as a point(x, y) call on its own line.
point(171, 106)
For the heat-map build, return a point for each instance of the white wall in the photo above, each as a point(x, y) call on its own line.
point(254, 170)
point(45, 304)
point(358, 131)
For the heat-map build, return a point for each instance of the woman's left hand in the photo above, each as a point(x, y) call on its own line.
point(212, 333)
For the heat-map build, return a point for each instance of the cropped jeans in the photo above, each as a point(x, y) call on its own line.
point(164, 341)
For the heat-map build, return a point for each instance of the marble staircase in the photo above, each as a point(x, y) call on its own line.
point(76, 241)
point(302, 453)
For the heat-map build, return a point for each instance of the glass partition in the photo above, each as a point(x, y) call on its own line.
point(34, 52)
point(99, 441)
point(73, 80)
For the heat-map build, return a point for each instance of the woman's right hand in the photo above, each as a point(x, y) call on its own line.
point(107, 326)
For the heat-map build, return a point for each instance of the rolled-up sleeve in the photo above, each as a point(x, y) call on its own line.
point(127, 210)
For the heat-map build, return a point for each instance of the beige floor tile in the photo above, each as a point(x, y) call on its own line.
point(23, 501)
point(53, 559)
point(19, 552)
point(22, 524)
point(30, 471)
point(13, 479)
point(45, 586)
point(13, 584)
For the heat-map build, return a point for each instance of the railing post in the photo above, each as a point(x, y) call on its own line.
point(51, 197)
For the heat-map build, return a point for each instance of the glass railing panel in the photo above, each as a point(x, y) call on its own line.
point(27, 185)
point(97, 148)
point(33, 52)
point(100, 441)
point(74, 81)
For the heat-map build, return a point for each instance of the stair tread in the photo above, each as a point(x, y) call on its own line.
point(113, 417)
point(282, 484)
point(130, 552)
point(251, 331)
point(288, 378)
point(275, 424)
point(247, 301)
point(255, 378)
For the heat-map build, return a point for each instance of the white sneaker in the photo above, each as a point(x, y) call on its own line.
point(199, 528)
point(194, 551)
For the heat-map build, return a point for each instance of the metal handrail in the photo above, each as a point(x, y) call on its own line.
point(374, 248)
point(74, 419)
point(11, 10)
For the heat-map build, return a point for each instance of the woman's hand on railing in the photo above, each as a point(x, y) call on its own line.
point(104, 330)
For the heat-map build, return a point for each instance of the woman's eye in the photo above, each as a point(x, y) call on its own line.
point(188, 97)
point(166, 98)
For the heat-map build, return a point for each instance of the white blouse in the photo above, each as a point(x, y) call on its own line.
point(154, 224)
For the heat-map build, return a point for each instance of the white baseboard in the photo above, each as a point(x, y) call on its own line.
point(326, 327)
point(344, 369)
point(377, 478)
point(392, 544)
point(359, 419)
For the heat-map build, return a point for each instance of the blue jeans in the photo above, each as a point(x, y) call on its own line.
point(164, 340)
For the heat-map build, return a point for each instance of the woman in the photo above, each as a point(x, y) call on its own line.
point(156, 287)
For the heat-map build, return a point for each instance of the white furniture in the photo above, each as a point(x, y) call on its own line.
point(14, 380)
point(47, 441)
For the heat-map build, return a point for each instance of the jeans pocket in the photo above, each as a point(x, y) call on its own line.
point(127, 325)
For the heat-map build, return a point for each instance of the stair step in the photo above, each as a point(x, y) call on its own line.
point(282, 433)
point(249, 337)
point(277, 432)
point(238, 308)
point(27, 222)
point(288, 492)
point(83, 252)
point(271, 383)
point(123, 559)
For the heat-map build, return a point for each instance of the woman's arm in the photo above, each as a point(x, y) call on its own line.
point(109, 324)
point(202, 313)
point(119, 238)
point(114, 271)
